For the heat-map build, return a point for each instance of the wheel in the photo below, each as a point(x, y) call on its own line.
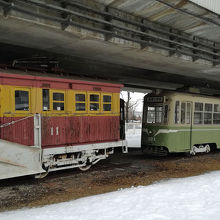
point(85, 168)
point(41, 175)
point(193, 151)
point(208, 149)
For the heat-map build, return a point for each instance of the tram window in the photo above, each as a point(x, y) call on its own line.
point(208, 114)
point(216, 118)
point(183, 112)
point(80, 102)
point(208, 107)
point(107, 106)
point(177, 113)
point(46, 99)
point(198, 117)
point(94, 102)
point(58, 101)
point(158, 111)
point(154, 114)
point(21, 100)
point(216, 108)
point(216, 115)
point(188, 113)
point(198, 106)
point(198, 113)
point(150, 114)
point(207, 118)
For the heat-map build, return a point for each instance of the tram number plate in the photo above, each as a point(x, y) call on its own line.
point(155, 99)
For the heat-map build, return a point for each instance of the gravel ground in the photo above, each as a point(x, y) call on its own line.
point(118, 171)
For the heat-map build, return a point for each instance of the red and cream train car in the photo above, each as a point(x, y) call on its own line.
point(49, 123)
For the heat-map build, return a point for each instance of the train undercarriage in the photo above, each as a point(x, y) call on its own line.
point(20, 160)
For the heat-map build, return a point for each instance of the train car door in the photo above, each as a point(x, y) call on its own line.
point(186, 121)
point(189, 106)
point(122, 119)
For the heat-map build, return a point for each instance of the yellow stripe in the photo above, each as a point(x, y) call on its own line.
point(7, 103)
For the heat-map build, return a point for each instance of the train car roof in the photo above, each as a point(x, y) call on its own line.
point(10, 76)
point(185, 94)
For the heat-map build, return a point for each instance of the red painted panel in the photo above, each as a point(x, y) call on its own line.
point(21, 132)
point(57, 131)
point(60, 131)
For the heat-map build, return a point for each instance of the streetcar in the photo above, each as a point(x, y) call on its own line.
point(53, 123)
point(175, 122)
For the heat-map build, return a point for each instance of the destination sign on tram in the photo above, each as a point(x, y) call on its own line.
point(155, 99)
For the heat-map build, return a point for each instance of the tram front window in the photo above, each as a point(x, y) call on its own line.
point(157, 114)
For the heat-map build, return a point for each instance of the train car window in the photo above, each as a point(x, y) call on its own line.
point(208, 114)
point(107, 105)
point(46, 99)
point(177, 112)
point(58, 106)
point(21, 100)
point(58, 96)
point(80, 100)
point(216, 114)
point(198, 113)
point(80, 97)
point(107, 98)
point(94, 102)
point(183, 112)
point(188, 113)
point(58, 101)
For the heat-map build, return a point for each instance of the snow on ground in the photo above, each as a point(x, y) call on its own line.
point(134, 141)
point(192, 198)
point(133, 135)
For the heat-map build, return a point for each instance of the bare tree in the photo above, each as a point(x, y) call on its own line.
point(130, 107)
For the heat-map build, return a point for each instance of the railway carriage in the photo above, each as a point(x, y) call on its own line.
point(180, 122)
point(50, 124)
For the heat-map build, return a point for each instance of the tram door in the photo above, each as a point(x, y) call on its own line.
point(186, 119)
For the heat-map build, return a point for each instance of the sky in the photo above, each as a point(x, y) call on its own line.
point(135, 96)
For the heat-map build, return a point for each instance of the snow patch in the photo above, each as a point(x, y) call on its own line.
point(192, 198)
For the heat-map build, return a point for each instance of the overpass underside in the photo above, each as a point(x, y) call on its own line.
point(162, 45)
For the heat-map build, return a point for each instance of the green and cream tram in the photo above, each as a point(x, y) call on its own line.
point(180, 122)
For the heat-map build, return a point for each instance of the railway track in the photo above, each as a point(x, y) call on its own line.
point(118, 171)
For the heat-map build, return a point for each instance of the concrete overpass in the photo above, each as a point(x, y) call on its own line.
point(144, 43)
